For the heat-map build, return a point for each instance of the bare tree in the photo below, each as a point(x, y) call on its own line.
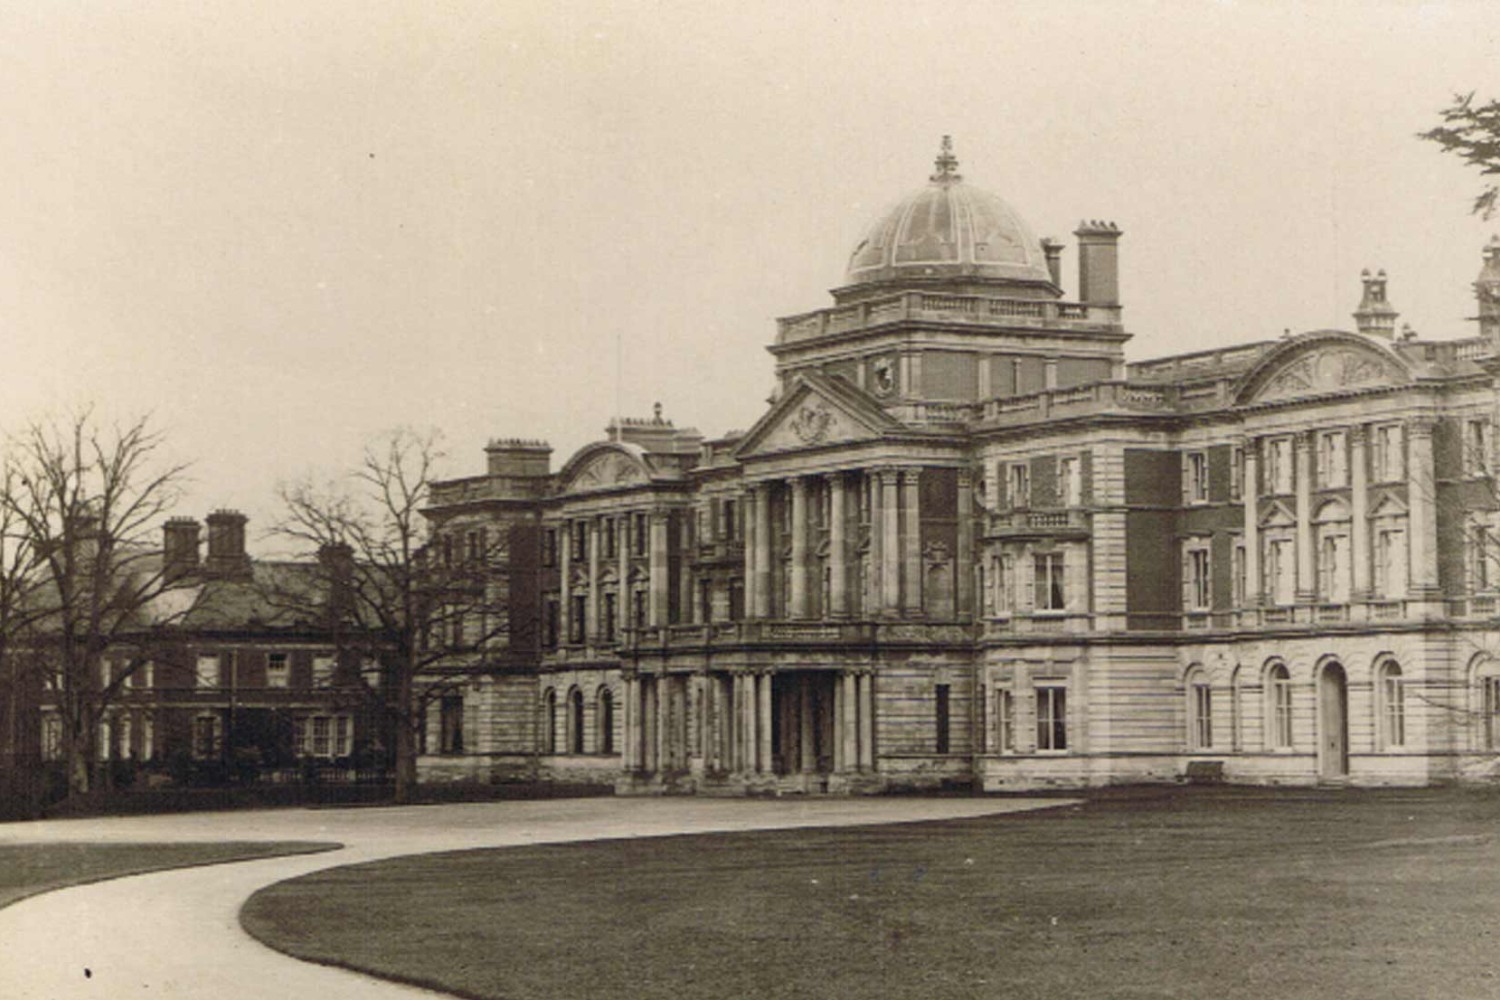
point(82, 575)
point(415, 625)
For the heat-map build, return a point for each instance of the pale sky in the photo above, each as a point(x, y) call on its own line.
point(282, 228)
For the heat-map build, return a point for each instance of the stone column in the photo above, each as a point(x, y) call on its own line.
point(736, 722)
point(849, 731)
point(867, 722)
point(748, 513)
point(1421, 497)
point(763, 550)
point(565, 576)
point(622, 571)
point(659, 580)
point(663, 727)
point(1250, 494)
point(1359, 525)
point(628, 761)
point(890, 542)
point(964, 598)
point(797, 607)
point(595, 604)
point(873, 598)
point(840, 714)
point(838, 545)
point(911, 593)
point(763, 727)
point(1307, 579)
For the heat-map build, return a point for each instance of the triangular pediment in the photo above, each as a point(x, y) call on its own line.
point(1320, 364)
point(816, 412)
point(1388, 505)
point(1278, 515)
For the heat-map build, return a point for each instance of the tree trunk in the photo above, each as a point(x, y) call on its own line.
point(406, 745)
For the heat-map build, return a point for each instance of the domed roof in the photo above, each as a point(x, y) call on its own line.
point(949, 229)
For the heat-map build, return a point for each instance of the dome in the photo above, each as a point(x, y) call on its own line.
point(949, 229)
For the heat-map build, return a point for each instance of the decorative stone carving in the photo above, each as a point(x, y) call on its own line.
point(883, 372)
point(1329, 370)
point(936, 553)
point(812, 421)
point(609, 469)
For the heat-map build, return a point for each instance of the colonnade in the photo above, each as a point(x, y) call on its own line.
point(751, 723)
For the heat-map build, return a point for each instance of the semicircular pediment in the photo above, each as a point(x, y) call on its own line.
point(1320, 364)
point(604, 466)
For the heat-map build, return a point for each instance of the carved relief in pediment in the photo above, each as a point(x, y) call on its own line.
point(608, 469)
point(1329, 370)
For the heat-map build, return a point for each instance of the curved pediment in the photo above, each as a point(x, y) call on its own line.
point(1319, 364)
point(603, 466)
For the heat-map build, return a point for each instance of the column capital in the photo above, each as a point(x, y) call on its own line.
point(798, 484)
point(887, 474)
point(1421, 426)
point(1358, 434)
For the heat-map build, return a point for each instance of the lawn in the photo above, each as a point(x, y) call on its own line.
point(1178, 892)
point(27, 869)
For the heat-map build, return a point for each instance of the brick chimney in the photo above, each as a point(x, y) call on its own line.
point(337, 562)
point(1098, 263)
point(226, 545)
point(518, 457)
point(179, 547)
point(1375, 317)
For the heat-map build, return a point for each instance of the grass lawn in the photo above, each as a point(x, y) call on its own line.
point(27, 869)
point(1172, 892)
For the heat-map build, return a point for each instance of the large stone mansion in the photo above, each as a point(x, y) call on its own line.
point(969, 543)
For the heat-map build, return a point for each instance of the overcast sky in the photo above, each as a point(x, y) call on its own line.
point(283, 228)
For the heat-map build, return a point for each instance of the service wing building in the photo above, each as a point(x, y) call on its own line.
point(970, 544)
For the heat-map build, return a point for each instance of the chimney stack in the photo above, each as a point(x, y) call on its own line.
point(1098, 263)
point(337, 561)
point(1053, 250)
point(179, 547)
point(226, 545)
point(1375, 317)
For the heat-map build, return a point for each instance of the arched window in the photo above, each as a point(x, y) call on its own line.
point(575, 721)
point(1278, 707)
point(549, 722)
point(1200, 710)
point(604, 715)
point(1487, 705)
point(1391, 695)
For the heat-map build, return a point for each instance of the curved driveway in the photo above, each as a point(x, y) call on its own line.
point(176, 934)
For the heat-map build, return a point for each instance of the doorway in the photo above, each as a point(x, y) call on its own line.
point(1333, 722)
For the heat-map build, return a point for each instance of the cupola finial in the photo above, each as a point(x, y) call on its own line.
point(946, 163)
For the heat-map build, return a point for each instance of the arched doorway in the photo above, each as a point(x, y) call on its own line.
point(1333, 722)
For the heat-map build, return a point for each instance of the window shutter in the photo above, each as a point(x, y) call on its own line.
point(1186, 479)
point(1186, 580)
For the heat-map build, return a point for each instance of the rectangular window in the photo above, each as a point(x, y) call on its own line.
point(1481, 554)
point(1333, 460)
point(451, 724)
point(611, 615)
point(577, 618)
point(206, 733)
point(1051, 718)
point(1280, 583)
point(705, 601)
point(942, 718)
point(639, 608)
point(1070, 480)
point(1050, 593)
point(278, 670)
point(144, 676)
point(1197, 579)
point(1237, 473)
point(1005, 598)
point(1237, 569)
point(1279, 465)
point(549, 623)
point(1203, 716)
point(1195, 477)
point(1390, 562)
point(549, 547)
point(579, 550)
point(209, 672)
point(1389, 466)
point(611, 539)
point(1018, 485)
point(1281, 695)
point(1491, 712)
point(1005, 720)
point(736, 600)
point(1333, 568)
point(322, 671)
point(471, 542)
point(640, 535)
point(731, 520)
point(1476, 447)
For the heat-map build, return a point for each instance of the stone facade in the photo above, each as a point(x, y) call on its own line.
point(968, 544)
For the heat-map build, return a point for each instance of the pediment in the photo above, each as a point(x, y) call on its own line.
point(604, 466)
point(1389, 505)
point(1278, 516)
point(1321, 364)
point(815, 413)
